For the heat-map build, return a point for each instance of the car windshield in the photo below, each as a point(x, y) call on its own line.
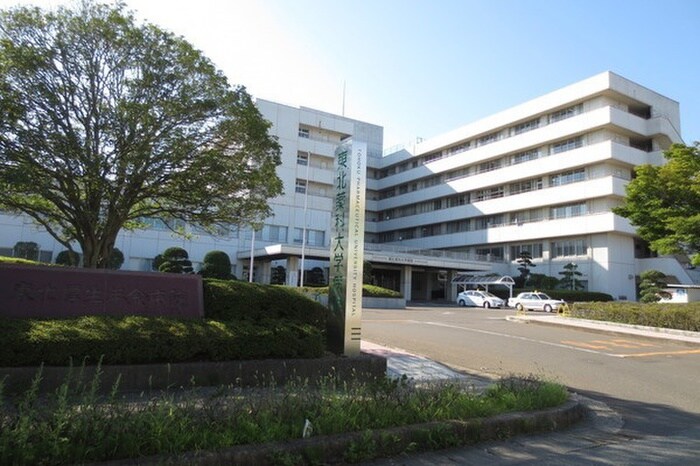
point(488, 295)
point(541, 296)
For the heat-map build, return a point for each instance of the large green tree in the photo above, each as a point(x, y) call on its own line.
point(105, 121)
point(663, 202)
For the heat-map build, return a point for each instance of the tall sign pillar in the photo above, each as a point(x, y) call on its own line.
point(347, 249)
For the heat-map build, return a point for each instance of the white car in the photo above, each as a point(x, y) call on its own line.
point(535, 301)
point(479, 299)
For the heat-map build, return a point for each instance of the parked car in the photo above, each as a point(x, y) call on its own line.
point(479, 299)
point(535, 301)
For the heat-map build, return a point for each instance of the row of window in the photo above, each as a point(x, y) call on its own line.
point(563, 248)
point(489, 138)
point(487, 221)
point(483, 167)
point(512, 189)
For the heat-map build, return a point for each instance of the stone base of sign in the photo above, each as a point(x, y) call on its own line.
point(54, 292)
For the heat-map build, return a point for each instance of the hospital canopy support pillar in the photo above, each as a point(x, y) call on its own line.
point(347, 249)
point(405, 288)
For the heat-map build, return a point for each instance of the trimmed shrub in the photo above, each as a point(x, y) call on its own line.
point(115, 260)
point(68, 258)
point(140, 340)
point(685, 316)
point(238, 300)
point(217, 264)
point(175, 260)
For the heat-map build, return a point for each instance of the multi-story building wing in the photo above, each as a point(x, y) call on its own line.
point(543, 177)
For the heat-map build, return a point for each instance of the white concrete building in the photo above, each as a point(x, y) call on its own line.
point(541, 176)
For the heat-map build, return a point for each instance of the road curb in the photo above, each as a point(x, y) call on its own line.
point(395, 441)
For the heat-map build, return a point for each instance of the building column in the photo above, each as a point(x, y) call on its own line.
point(266, 272)
point(405, 287)
point(292, 271)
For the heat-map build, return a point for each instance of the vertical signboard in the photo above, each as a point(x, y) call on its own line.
point(347, 249)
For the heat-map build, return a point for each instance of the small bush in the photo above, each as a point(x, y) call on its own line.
point(238, 300)
point(666, 315)
point(217, 264)
point(175, 260)
point(68, 258)
point(140, 340)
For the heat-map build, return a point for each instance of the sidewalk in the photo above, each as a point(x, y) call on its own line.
point(612, 327)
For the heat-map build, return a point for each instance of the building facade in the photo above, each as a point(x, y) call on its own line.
point(540, 177)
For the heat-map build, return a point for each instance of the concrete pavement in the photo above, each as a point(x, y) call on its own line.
point(599, 439)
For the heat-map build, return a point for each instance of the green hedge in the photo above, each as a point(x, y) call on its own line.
point(367, 291)
point(666, 315)
point(238, 300)
point(140, 340)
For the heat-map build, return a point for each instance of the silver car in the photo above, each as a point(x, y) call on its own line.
point(479, 299)
point(535, 301)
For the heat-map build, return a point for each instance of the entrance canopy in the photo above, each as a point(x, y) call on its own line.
point(467, 280)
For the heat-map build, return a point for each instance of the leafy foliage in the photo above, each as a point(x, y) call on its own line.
point(217, 264)
point(525, 262)
point(684, 316)
point(116, 259)
point(104, 122)
point(175, 260)
point(28, 250)
point(664, 202)
point(239, 300)
point(651, 286)
point(137, 340)
point(68, 257)
point(569, 280)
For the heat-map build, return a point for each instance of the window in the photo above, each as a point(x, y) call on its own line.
point(430, 230)
point(490, 193)
point(461, 173)
point(490, 253)
point(488, 166)
point(526, 216)
point(275, 233)
point(569, 144)
point(458, 226)
point(406, 234)
point(566, 211)
point(527, 126)
point(489, 138)
point(572, 247)
point(535, 250)
point(304, 133)
point(565, 113)
point(522, 157)
point(301, 186)
point(525, 186)
point(458, 148)
point(430, 157)
point(458, 200)
point(483, 223)
point(313, 237)
point(302, 158)
point(571, 176)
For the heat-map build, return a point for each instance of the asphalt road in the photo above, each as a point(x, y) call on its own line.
point(654, 385)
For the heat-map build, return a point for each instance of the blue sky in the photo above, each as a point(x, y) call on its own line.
point(425, 67)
